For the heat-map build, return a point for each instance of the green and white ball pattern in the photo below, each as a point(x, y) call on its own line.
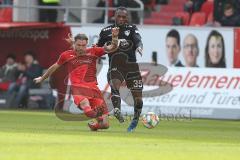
point(150, 120)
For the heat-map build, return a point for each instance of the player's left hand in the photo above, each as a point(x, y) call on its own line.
point(38, 80)
point(115, 31)
point(94, 45)
point(139, 50)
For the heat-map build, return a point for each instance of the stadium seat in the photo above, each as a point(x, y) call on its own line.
point(185, 16)
point(163, 16)
point(151, 5)
point(6, 15)
point(110, 12)
point(198, 19)
point(210, 17)
point(157, 21)
point(166, 13)
point(177, 2)
point(41, 97)
point(171, 8)
point(4, 86)
point(207, 7)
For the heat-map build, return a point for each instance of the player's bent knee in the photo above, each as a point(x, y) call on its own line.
point(139, 103)
point(105, 125)
point(84, 103)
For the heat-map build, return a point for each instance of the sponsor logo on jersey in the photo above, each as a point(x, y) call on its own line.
point(125, 45)
point(127, 32)
point(114, 69)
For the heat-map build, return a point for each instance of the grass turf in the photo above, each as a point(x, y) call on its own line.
point(41, 135)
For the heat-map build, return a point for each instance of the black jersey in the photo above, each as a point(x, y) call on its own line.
point(129, 40)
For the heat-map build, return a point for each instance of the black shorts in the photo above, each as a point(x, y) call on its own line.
point(133, 79)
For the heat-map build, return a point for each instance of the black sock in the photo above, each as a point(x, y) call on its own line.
point(137, 110)
point(116, 101)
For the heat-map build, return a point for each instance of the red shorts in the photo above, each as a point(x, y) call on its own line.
point(92, 93)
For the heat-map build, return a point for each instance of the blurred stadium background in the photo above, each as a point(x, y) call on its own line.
point(199, 117)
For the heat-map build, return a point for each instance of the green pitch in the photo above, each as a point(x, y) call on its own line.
point(38, 135)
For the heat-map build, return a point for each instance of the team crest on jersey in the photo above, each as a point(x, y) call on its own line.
point(127, 32)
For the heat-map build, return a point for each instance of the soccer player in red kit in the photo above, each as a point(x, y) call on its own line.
point(81, 64)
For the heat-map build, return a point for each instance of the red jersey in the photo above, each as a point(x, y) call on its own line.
point(81, 68)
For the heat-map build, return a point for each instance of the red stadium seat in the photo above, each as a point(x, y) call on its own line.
point(161, 15)
point(171, 8)
point(151, 5)
point(4, 86)
point(198, 19)
point(210, 17)
point(157, 21)
point(207, 7)
point(177, 2)
point(110, 12)
point(166, 14)
point(6, 15)
point(185, 16)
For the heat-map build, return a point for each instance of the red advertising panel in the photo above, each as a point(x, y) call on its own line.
point(237, 48)
point(46, 40)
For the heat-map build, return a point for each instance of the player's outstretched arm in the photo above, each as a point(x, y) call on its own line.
point(137, 39)
point(114, 44)
point(50, 71)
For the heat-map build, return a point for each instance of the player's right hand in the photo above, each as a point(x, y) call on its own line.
point(94, 45)
point(115, 31)
point(38, 80)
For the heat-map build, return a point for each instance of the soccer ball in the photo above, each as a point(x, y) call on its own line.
point(150, 120)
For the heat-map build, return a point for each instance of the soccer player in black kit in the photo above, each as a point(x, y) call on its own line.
point(122, 64)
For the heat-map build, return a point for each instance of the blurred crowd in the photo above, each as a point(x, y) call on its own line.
point(16, 78)
point(134, 16)
point(117, 3)
point(225, 12)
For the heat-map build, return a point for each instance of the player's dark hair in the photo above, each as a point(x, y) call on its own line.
point(228, 6)
point(81, 36)
point(30, 53)
point(12, 56)
point(175, 34)
point(222, 62)
point(121, 8)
